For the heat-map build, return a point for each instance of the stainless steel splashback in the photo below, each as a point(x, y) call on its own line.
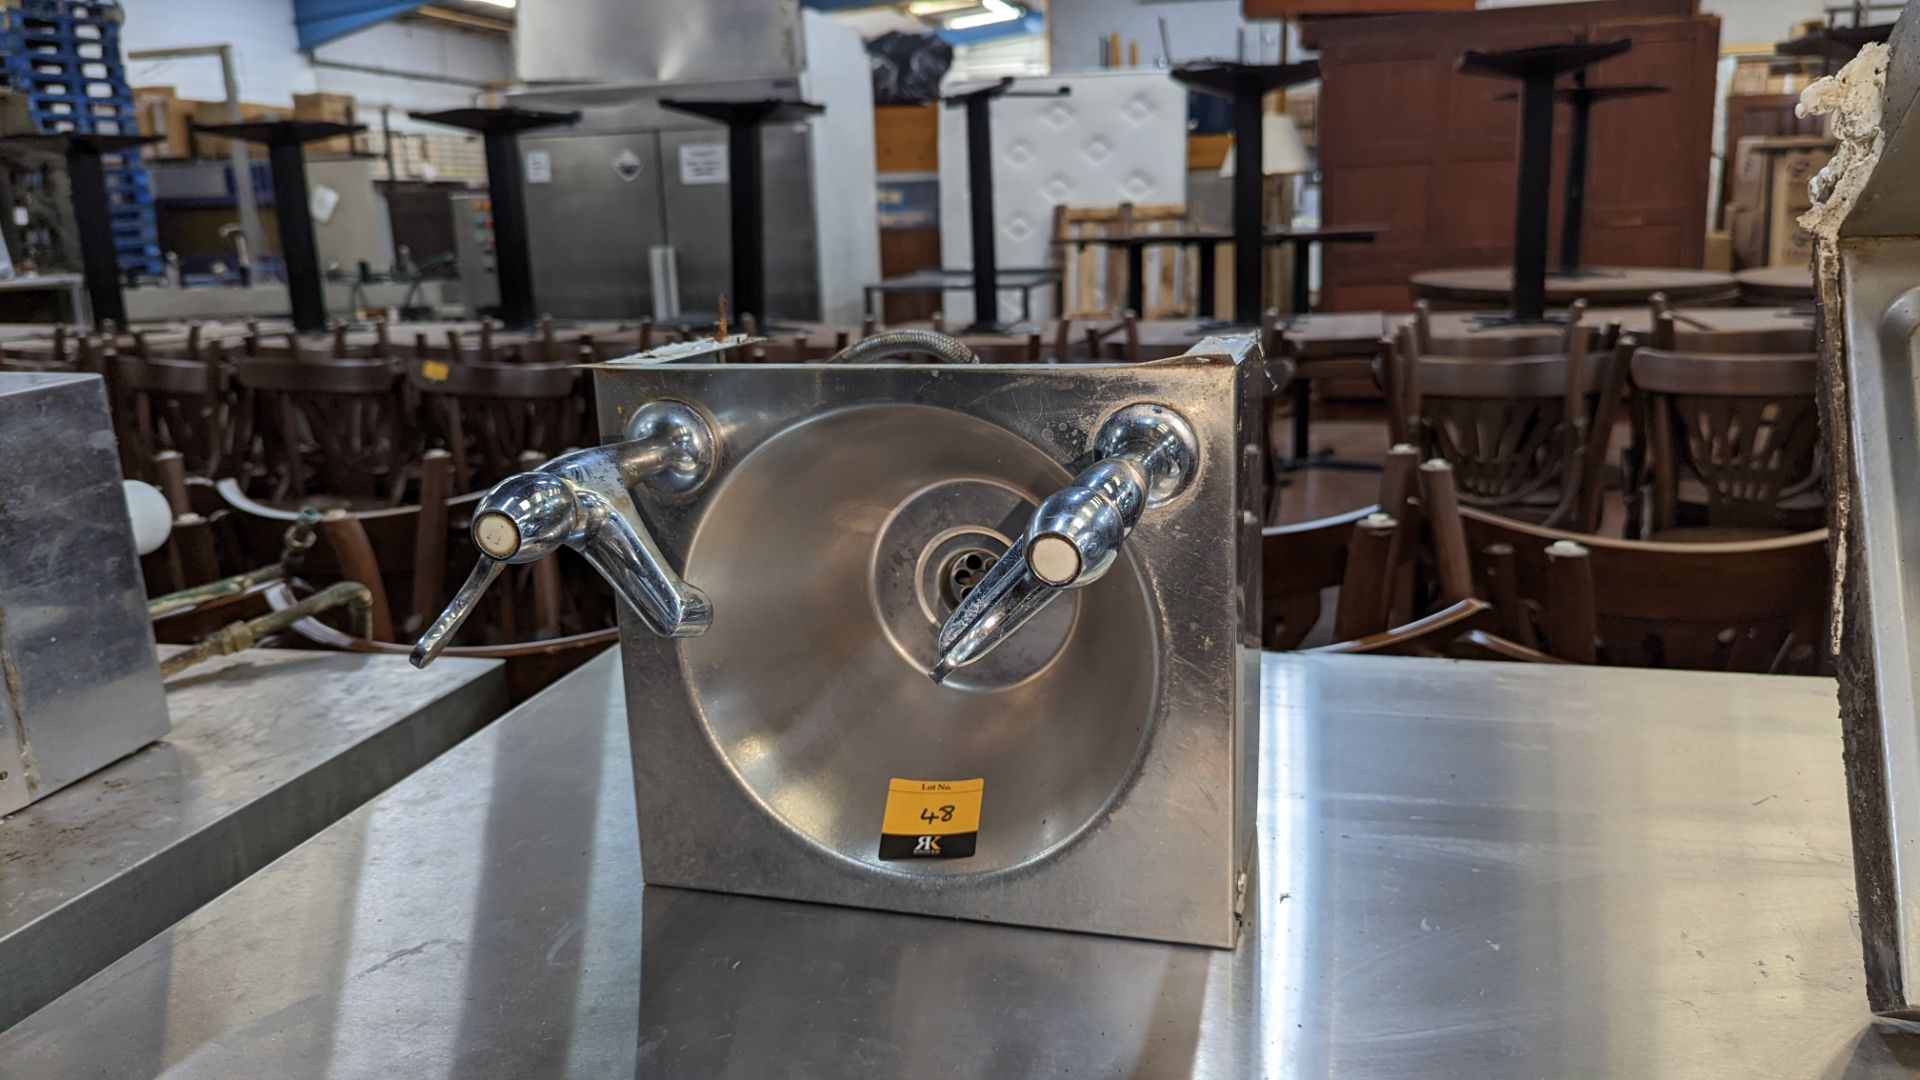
point(645, 42)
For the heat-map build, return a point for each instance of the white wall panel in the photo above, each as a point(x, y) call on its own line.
point(1118, 137)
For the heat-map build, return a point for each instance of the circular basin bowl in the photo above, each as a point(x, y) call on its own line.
point(830, 555)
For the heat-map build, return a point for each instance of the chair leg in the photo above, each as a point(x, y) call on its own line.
point(430, 541)
point(1363, 592)
point(347, 537)
point(171, 469)
point(1571, 621)
point(1449, 536)
point(1503, 588)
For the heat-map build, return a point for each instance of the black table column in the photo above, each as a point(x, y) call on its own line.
point(1247, 85)
point(507, 194)
point(92, 211)
point(986, 264)
point(1205, 300)
point(746, 187)
point(286, 141)
point(1535, 69)
point(1583, 98)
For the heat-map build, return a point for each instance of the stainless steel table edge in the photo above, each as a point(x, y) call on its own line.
point(1471, 870)
point(108, 918)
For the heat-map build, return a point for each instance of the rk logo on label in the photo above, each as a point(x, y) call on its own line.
point(931, 819)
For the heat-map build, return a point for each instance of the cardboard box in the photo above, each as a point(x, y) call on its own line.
point(208, 113)
point(159, 111)
point(1770, 193)
point(1719, 252)
point(906, 138)
point(1206, 152)
point(1771, 75)
point(333, 108)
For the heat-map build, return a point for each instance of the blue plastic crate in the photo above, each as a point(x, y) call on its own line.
point(22, 48)
point(78, 89)
point(65, 65)
point(54, 123)
point(44, 25)
point(103, 10)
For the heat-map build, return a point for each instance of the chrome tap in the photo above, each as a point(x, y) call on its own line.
point(242, 255)
point(1144, 456)
point(584, 500)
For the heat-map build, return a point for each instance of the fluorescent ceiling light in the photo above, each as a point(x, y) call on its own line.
point(998, 11)
point(500, 3)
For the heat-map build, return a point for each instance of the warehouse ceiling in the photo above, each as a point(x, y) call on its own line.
point(959, 21)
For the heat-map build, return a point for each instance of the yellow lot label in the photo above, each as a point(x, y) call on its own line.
point(933, 807)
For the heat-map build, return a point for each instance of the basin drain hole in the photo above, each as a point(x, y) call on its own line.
point(963, 573)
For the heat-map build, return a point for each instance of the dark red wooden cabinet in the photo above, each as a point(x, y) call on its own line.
point(1409, 142)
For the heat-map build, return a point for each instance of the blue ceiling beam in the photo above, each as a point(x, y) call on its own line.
point(321, 21)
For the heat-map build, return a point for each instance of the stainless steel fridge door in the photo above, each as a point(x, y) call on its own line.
point(699, 223)
point(592, 225)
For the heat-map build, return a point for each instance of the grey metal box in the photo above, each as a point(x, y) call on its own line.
point(81, 680)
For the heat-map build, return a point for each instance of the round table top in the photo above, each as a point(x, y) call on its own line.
point(1599, 285)
point(1449, 325)
point(1775, 283)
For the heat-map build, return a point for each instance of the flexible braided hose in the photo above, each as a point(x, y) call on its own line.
point(945, 349)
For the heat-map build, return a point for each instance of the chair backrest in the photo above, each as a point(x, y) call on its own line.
point(1754, 606)
point(1503, 424)
point(491, 414)
point(331, 427)
point(416, 556)
point(1093, 281)
point(1366, 553)
point(181, 405)
point(1299, 563)
point(1746, 427)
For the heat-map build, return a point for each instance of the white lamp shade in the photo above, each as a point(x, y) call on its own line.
point(1281, 151)
point(152, 518)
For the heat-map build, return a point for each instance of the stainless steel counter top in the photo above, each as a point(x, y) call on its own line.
point(268, 747)
point(1468, 871)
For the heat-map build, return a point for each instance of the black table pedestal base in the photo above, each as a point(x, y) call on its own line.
point(506, 191)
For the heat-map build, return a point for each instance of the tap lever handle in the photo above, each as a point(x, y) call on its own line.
point(428, 648)
point(585, 501)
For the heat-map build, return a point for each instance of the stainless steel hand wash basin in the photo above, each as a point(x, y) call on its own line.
point(974, 641)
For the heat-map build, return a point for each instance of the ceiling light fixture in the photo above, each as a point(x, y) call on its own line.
point(998, 11)
point(500, 3)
